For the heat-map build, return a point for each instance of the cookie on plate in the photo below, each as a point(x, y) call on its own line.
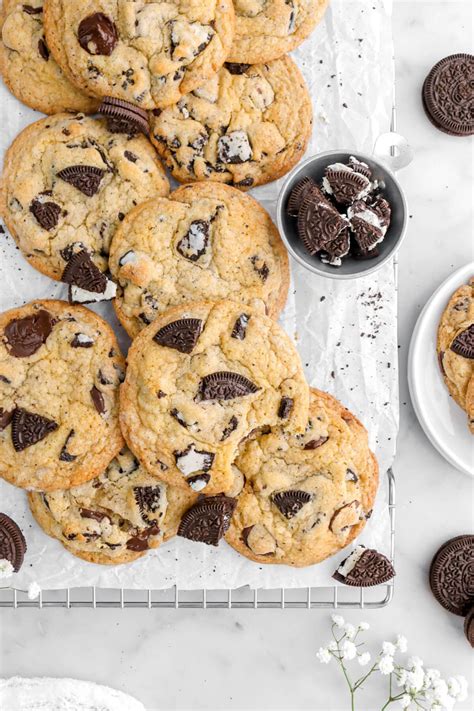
point(307, 496)
point(147, 53)
point(455, 348)
point(116, 517)
point(246, 126)
point(267, 29)
point(60, 370)
point(27, 67)
point(67, 184)
point(207, 241)
point(199, 380)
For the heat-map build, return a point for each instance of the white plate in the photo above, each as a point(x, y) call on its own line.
point(443, 421)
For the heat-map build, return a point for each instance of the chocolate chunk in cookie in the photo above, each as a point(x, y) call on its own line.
point(98, 400)
point(208, 520)
point(285, 407)
point(25, 336)
point(97, 34)
point(225, 385)
point(12, 542)
point(28, 428)
point(182, 335)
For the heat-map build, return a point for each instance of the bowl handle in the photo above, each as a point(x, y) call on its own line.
point(393, 150)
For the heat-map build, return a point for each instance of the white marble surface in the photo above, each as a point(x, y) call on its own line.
point(266, 659)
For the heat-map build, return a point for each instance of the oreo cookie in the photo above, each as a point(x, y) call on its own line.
point(448, 95)
point(124, 117)
point(469, 626)
point(364, 568)
point(452, 575)
point(12, 542)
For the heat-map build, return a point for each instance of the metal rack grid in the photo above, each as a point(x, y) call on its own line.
point(241, 598)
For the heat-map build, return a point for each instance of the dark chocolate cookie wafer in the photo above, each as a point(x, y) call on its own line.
point(298, 194)
point(469, 626)
point(364, 568)
point(448, 95)
point(319, 222)
point(12, 542)
point(452, 574)
point(124, 117)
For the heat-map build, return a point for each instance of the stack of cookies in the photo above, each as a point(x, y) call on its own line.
point(209, 429)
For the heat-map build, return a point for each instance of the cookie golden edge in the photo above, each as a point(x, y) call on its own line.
point(233, 536)
point(115, 439)
point(263, 51)
point(192, 80)
point(16, 151)
point(278, 167)
point(205, 189)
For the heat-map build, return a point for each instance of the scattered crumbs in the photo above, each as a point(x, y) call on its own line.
point(2, 230)
point(322, 298)
point(345, 105)
point(410, 216)
point(332, 374)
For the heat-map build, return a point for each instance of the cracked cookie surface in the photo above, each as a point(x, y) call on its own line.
point(116, 517)
point(207, 241)
point(245, 126)
point(68, 182)
point(305, 497)
point(26, 64)
point(455, 347)
point(267, 29)
point(60, 370)
point(199, 380)
point(147, 53)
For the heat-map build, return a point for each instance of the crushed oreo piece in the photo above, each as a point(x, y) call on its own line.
point(85, 178)
point(225, 385)
point(463, 344)
point(240, 327)
point(5, 418)
point(182, 335)
point(81, 271)
point(315, 443)
point(290, 503)
point(45, 213)
point(285, 407)
point(194, 243)
point(198, 482)
point(81, 340)
point(192, 460)
point(234, 148)
point(231, 427)
point(236, 68)
point(64, 455)
point(208, 520)
point(364, 567)
point(28, 428)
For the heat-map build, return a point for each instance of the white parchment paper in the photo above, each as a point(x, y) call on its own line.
point(345, 331)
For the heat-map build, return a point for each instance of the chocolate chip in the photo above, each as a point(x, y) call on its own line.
point(440, 361)
point(286, 406)
point(182, 335)
point(148, 500)
point(225, 385)
point(4, 379)
point(28, 428)
point(26, 335)
point(463, 344)
point(231, 427)
point(43, 50)
point(81, 340)
point(46, 213)
point(98, 400)
point(140, 542)
point(160, 394)
point(64, 455)
point(12, 542)
point(208, 520)
point(86, 178)
point(194, 243)
point(315, 443)
point(289, 503)
point(5, 418)
point(81, 271)
point(240, 327)
point(131, 156)
point(245, 182)
point(260, 267)
point(97, 34)
point(236, 68)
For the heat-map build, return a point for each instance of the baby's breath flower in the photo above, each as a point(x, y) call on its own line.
point(364, 659)
point(385, 665)
point(414, 681)
point(349, 650)
point(364, 626)
point(401, 643)
point(323, 655)
point(431, 675)
point(338, 620)
point(350, 630)
point(415, 662)
point(332, 645)
point(401, 677)
point(405, 701)
point(388, 648)
point(462, 682)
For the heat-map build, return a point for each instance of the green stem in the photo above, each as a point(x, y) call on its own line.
point(360, 681)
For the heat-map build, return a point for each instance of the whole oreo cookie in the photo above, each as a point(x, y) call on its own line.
point(448, 95)
point(12, 542)
point(452, 574)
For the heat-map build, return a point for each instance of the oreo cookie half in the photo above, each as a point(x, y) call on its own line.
point(12, 542)
point(364, 567)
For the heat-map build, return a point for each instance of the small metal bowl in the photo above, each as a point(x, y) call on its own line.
point(351, 268)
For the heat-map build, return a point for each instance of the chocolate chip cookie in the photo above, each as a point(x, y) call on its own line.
point(246, 126)
point(199, 380)
point(267, 29)
point(147, 53)
point(456, 348)
point(208, 241)
point(26, 64)
point(305, 496)
point(60, 370)
point(67, 184)
point(116, 517)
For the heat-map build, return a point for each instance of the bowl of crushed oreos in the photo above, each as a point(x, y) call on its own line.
point(342, 214)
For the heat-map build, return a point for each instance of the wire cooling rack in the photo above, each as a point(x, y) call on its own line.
point(242, 598)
